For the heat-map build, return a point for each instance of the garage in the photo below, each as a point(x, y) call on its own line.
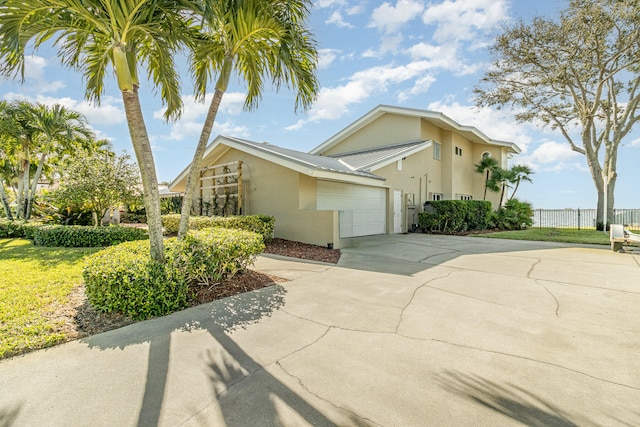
point(362, 209)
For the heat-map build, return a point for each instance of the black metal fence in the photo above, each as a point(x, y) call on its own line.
point(584, 218)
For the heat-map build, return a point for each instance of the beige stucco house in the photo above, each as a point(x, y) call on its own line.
point(370, 178)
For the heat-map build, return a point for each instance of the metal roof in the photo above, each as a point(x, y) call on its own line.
point(365, 160)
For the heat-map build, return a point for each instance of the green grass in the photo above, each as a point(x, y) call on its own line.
point(33, 280)
point(567, 235)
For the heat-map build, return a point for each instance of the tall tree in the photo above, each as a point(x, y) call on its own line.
point(579, 72)
point(487, 166)
point(58, 130)
point(93, 34)
point(255, 39)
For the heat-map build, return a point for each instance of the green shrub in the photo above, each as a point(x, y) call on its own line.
point(455, 216)
point(18, 229)
point(125, 279)
point(77, 236)
point(261, 224)
point(514, 215)
point(209, 255)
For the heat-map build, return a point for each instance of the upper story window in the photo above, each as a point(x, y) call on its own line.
point(436, 196)
point(486, 154)
point(459, 151)
point(436, 150)
point(466, 197)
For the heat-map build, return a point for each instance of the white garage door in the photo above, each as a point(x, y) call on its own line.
point(362, 209)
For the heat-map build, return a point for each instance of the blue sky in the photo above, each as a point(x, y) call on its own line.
point(410, 53)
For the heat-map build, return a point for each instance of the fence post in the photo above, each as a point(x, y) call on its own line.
point(578, 219)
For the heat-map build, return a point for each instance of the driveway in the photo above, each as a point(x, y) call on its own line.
point(408, 330)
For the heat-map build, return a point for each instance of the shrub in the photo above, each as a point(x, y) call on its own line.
point(514, 215)
point(455, 216)
point(125, 279)
point(261, 224)
point(209, 255)
point(18, 229)
point(84, 237)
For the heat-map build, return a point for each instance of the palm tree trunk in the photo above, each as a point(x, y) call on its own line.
point(34, 186)
point(192, 179)
point(486, 183)
point(144, 155)
point(5, 202)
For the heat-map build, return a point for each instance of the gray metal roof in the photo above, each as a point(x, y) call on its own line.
point(364, 160)
point(308, 160)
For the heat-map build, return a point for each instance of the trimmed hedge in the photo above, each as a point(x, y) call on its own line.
point(123, 278)
point(455, 216)
point(18, 229)
point(261, 224)
point(207, 256)
point(78, 236)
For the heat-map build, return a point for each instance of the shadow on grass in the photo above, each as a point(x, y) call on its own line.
point(227, 363)
point(509, 400)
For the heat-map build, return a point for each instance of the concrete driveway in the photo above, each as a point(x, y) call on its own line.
point(408, 330)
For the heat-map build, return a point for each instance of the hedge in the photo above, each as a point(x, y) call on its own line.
point(455, 216)
point(78, 236)
point(261, 224)
point(124, 279)
point(18, 229)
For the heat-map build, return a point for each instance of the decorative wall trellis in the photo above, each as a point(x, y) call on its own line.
point(221, 190)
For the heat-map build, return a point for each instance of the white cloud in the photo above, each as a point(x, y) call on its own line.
point(326, 57)
point(390, 18)
point(635, 143)
point(494, 124)
point(334, 102)
point(421, 85)
point(461, 19)
point(321, 4)
point(336, 19)
point(553, 157)
point(35, 76)
point(194, 113)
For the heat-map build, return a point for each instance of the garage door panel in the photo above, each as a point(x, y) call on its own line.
point(362, 209)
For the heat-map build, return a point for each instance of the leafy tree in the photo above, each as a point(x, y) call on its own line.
point(32, 135)
point(487, 166)
point(579, 72)
point(90, 36)
point(97, 182)
point(256, 39)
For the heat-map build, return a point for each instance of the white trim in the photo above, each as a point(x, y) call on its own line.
point(470, 132)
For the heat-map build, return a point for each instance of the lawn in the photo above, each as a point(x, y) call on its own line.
point(34, 281)
point(568, 235)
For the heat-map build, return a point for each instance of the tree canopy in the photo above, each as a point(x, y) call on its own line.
point(579, 75)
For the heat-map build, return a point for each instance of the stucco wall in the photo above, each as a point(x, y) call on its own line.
point(288, 196)
point(385, 130)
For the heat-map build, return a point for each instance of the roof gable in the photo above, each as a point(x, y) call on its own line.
point(376, 158)
point(439, 119)
point(305, 163)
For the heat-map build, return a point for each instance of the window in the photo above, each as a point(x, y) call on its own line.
point(436, 150)
point(459, 151)
point(436, 196)
point(466, 197)
point(485, 155)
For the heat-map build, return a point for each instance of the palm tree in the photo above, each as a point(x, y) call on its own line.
point(91, 35)
point(488, 166)
point(58, 130)
point(520, 173)
point(256, 39)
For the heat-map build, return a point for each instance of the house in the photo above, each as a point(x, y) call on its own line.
point(370, 178)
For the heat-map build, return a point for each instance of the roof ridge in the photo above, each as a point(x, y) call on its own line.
point(382, 147)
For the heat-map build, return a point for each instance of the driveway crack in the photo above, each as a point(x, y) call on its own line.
point(413, 296)
point(335, 405)
point(538, 282)
point(530, 359)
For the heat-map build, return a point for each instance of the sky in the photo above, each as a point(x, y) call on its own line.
point(408, 53)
